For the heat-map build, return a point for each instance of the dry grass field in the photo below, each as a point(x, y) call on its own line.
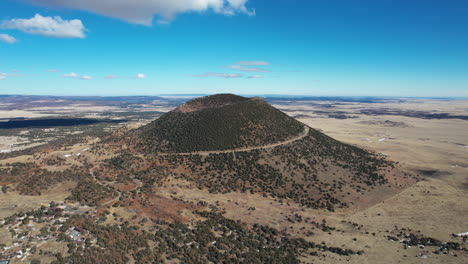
point(435, 148)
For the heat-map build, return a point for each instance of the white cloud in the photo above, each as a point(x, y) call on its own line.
point(143, 11)
point(254, 76)
point(47, 26)
point(7, 38)
point(250, 69)
point(138, 76)
point(253, 63)
point(221, 75)
point(4, 76)
point(73, 75)
point(70, 75)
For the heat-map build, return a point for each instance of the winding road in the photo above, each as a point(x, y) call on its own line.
point(115, 199)
point(206, 153)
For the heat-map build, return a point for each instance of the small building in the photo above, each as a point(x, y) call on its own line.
point(79, 229)
point(75, 235)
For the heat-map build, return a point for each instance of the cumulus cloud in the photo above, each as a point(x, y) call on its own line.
point(246, 69)
point(7, 38)
point(140, 76)
point(221, 75)
point(253, 63)
point(47, 26)
point(143, 11)
point(73, 75)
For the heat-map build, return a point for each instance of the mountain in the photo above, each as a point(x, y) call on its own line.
point(220, 179)
point(227, 143)
point(218, 122)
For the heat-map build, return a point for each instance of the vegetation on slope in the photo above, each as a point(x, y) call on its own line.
point(317, 171)
point(31, 179)
point(211, 101)
point(88, 192)
point(239, 123)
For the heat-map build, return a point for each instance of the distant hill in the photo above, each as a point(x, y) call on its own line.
point(217, 122)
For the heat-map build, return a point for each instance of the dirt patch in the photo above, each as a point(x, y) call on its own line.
point(159, 207)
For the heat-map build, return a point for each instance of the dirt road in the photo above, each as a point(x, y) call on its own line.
point(206, 153)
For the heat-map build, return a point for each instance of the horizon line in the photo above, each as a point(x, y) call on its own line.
point(249, 95)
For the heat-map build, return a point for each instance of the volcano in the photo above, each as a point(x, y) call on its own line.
point(218, 122)
point(230, 143)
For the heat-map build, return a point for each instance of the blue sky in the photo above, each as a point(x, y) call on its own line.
point(299, 47)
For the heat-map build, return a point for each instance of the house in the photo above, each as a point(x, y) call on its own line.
point(75, 235)
point(79, 229)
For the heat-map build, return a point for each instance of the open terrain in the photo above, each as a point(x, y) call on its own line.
point(409, 223)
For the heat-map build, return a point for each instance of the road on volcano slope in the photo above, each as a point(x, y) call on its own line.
point(206, 153)
point(119, 194)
